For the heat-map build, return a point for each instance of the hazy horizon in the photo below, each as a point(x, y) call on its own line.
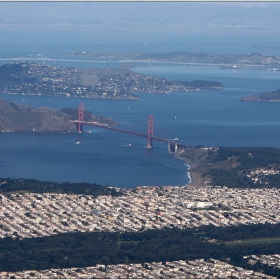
point(77, 23)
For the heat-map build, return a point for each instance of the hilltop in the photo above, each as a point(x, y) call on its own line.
point(18, 117)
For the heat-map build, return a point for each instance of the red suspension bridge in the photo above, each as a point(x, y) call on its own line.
point(173, 147)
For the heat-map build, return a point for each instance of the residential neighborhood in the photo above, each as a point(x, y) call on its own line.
point(31, 215)
point(191, 269)
point(30, 78)
point(271, 260)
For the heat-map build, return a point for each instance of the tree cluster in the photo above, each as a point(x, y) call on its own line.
point(88, 249)
point(244, 160)
point(8, 185)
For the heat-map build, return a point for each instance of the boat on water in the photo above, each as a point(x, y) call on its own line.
point(77, 143)
point(228, 66)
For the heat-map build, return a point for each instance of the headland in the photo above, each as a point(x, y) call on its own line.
point(237, 167)
point(273, 96)
point(16, 117)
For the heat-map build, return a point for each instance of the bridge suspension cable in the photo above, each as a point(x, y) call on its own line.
point(173, 147)
point(150, 131)
point(81, 117)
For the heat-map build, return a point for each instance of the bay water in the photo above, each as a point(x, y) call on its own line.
point(208, 118)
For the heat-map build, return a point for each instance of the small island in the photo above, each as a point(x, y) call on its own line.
point(29, 78)
point(264, 97)
point(22, 118)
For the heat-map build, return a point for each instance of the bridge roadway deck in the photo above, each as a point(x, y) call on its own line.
point(129, 132)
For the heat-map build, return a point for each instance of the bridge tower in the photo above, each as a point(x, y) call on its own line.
point(81, 117)
point(150, 131)
point(173, 147)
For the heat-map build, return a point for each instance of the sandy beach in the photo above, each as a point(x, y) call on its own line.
point(195, 177)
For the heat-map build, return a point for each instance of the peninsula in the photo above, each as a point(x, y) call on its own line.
point(234, 167)
point(29, 78)
point(263, 97)
point(18, 118)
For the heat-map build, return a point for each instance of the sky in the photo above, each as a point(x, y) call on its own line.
point(76, 22)
point(149, 17)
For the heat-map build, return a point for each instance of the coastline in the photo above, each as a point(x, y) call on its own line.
point(189, 174)
point(191, 179)
point(77, 96)
point(195, 178)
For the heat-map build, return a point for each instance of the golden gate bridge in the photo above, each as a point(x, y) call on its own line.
point(173, 147)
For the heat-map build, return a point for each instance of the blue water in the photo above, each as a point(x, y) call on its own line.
point(209, 118)
point(57, 43)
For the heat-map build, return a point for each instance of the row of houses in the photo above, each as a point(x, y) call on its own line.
point(271, 260)
point(33, 215)
point(190, 269)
